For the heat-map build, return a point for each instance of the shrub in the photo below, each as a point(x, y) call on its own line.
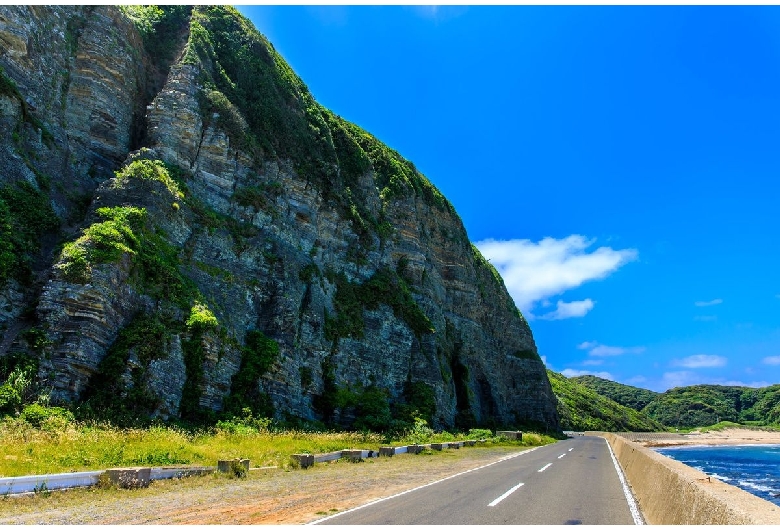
point(257, 357)
point(39, 416)
point(10, 400)
point(152, 170)
point(373, 410)
point(479, 434)
point(201, 318)
point(102, 242)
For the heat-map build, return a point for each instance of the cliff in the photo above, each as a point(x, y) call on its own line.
point(185, 232)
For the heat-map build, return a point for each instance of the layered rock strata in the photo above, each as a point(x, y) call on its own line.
point(258, 240)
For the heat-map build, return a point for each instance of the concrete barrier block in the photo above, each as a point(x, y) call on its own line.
point(470, 443)
point(327, 457)
point(386, 451)
point(437, 447)
point(130, 477)
point(163, 473)
point(233, 466)
point(510, 435)
point(303, 460)
point(355, 455)
point(454, 445)
point(415, 449)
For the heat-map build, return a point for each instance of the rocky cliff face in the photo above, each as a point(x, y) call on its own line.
point(252, 250)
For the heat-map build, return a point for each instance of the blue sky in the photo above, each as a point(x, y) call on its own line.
point(618, 165)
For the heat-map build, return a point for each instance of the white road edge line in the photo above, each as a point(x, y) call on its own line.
point(505, 495)
point(375, 501)
point(545, 467)
point(626, 491)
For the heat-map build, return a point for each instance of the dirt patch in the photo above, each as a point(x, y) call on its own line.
point(274, 496)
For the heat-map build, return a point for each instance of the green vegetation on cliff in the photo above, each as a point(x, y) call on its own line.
point(25, 216)
point(384, 287)
point(108, 395)
point(265, 107)
point(582, 409)
point(257, 357)
point(626, 395)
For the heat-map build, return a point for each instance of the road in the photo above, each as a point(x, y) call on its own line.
point(570, 482)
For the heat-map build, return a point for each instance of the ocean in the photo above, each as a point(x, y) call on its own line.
point(754, 468)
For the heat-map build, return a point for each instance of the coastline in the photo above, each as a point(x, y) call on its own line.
point(724, 437)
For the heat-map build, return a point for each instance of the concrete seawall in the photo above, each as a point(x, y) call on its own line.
point(669, 492)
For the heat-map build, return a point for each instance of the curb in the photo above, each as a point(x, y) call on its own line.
point(305, 460)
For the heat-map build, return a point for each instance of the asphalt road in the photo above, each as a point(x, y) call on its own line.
point(570, 482)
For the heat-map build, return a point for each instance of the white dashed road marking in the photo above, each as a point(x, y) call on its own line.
point(505, 495)
point(545, 467)
point(564, 454)
point(318, 521)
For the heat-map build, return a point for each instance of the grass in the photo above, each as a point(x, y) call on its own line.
point(269, 496)
point(59, 448)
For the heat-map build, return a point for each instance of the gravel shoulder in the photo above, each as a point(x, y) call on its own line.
point(273, 496)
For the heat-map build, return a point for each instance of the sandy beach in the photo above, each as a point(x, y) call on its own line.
point(724, 437)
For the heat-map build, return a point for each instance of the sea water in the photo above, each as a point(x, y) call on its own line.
point(754, 468)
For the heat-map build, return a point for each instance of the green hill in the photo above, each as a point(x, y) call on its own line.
point(583, 409)
point(701, 405)
point(626, 395)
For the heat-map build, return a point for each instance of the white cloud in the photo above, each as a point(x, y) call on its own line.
point(675, 379)
point(705, 318)
point(569, 310)
point(574, 373)
point(685, 378)
point(636, 380)
point(602, 350)
point(534, 272)
point(592, 362)
point(706, 304)
point(773, 360)
point(753, 384)
point(700, 361)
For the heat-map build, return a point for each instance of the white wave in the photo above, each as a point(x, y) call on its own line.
point(753, 485)
point(720, 477)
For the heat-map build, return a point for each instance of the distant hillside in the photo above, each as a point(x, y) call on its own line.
point(582, 409)
point(701, 405)
point(626, 395)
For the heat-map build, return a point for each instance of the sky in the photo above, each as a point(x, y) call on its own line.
point(618, 165)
